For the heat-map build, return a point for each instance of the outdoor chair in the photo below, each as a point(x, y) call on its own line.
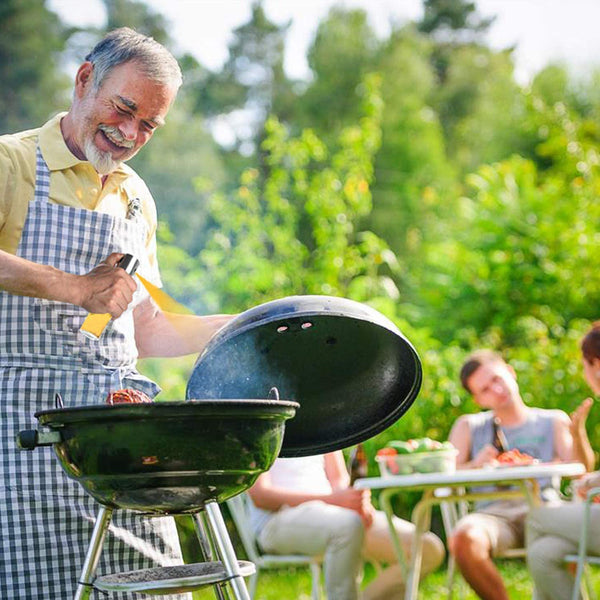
point(582, 559)
point(238, 507)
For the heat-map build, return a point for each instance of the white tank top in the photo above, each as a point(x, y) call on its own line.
point(306, 473)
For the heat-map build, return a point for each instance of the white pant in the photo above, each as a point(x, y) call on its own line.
point(553, 532)
point(317, 528)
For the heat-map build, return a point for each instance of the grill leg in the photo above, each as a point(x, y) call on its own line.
point(84, 587)
point(226, 551)
point(208, 550)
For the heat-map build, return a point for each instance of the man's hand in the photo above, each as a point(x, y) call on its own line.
point(581, 447)
point(486, 456)
point(579, 416)
point(106, 288)
point(356, 500)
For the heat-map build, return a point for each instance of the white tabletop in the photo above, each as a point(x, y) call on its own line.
point(472, 476)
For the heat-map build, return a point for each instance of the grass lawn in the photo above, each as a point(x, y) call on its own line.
point(294, 584)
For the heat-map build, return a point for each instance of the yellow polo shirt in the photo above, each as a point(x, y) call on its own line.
point(73, 182)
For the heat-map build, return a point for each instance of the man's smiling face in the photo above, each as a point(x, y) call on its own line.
point(116, 120)
point(494, 385)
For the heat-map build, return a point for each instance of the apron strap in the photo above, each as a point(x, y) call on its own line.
point(42, 177)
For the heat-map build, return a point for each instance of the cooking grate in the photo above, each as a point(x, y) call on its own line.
point(174, 580)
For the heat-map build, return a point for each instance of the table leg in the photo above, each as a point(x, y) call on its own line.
point(421, 517)
point(531, 491)
point(385, 503)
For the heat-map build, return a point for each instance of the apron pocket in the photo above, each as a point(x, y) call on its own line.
point(58, 318)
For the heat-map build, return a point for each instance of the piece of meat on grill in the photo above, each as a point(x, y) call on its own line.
point(127, 396)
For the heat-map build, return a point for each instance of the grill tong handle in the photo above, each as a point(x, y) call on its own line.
point(29, 439)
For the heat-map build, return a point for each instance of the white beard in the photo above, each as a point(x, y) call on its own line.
point(101, 161)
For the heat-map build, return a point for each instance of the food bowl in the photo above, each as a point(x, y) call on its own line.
point(441, 460)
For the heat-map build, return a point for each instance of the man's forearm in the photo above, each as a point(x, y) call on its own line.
point(25, 278)
point(163, 334)
point(582, 449)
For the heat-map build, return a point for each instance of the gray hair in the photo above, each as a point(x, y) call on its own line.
point(123, 45)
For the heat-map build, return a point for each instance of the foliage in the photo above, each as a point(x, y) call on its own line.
point(341, 54)
point(413, 176)
point(480, 107)
point(521, 250)
point(31, 39)
point(442, 17)
point(295, 231)
point(252, 80)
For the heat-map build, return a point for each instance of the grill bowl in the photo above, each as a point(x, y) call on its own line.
point(168, 457)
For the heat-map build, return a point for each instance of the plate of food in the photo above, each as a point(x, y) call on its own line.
point(515, 458)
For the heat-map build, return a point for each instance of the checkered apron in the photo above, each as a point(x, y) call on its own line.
point(46, 519)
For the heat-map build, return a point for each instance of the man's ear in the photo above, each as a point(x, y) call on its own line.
point(511, 371)
point(84, 79)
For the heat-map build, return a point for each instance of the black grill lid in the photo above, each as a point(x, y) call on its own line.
point(349, 367)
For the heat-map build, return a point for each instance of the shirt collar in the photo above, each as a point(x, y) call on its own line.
point(55, 151)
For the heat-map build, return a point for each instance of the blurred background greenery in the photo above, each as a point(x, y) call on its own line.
point(413, 173)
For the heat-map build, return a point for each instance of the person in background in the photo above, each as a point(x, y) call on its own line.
point(305, 506)
point(69, 210)
point(553, 532)
point(544, 434)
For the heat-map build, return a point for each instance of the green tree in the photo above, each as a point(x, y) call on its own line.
point(342, 53)
point(31, 41)
point(453, 19)
point(451, 24)
point(481, 107)
point(413, 177)
point(252, 79)
point(261, 249)
point(520, 248)
point(138, 16)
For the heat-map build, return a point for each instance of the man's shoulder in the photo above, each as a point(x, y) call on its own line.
point(476, 418)
point(132, 179)
point(547, 417)
point(20, 146)
point(471, 421)
point(551, 414)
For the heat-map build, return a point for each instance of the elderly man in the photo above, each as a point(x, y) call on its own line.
point(69, 210)
point(541, 433)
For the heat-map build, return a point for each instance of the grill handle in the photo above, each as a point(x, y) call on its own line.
point(29, 439)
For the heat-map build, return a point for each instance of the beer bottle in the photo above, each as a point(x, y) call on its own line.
point(499, 440)
point(358, 465)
